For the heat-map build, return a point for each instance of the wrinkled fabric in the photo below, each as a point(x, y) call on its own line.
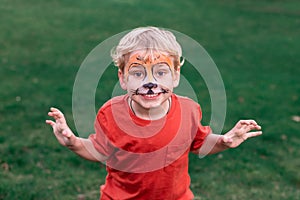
point(148, 159)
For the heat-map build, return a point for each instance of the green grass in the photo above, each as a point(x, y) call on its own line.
point(255, 45)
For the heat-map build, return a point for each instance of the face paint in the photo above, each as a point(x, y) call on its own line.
point(149, 78)
point(153, 68)
point(148, 61)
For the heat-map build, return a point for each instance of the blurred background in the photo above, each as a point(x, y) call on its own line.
point(255, 45)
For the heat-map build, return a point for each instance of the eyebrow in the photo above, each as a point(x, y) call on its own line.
point(138, 64)
point(161, 63)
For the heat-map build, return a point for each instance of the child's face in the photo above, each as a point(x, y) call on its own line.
point(149, 78)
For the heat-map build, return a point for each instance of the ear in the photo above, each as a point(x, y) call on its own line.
point(122, 80)
point(176, 77)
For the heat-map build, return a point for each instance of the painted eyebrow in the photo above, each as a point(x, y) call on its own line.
point(138, 64)
point(162, 63)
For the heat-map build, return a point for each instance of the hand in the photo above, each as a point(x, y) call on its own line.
point(241, 132)
point(61, 130)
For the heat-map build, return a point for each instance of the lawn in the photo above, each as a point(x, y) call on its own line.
point(255, 45)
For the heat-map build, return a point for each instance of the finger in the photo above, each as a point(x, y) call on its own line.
point(246, 129)
point(239, 124)
point(56, 114)
point(54, 109)
point(252, 122)
point(242, 124)
point(258, 127)
point(254, 134)
point(51, 114)
point(248, 122)
point(253, 127)
point(50, 122)
point(241, 129)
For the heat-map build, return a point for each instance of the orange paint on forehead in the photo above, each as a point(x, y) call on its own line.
point(149, 60)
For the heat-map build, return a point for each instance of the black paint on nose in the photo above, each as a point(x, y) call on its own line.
point(150, 85)
point(150, 92)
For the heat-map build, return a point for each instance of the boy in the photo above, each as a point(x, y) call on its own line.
point(144, 137)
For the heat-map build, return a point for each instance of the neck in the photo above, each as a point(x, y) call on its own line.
point(150, 113)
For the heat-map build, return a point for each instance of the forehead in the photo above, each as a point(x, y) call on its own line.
point(149, 57)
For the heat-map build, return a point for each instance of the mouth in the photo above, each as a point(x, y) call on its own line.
point(150, 94)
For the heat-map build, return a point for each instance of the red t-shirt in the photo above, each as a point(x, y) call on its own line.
point(148, 159)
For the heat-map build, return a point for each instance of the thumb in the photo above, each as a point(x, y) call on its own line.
point(226, 139)
point(67, 133)
point(69, 137)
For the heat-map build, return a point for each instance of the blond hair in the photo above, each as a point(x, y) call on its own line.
point(150, 39)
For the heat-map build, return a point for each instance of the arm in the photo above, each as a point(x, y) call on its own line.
point(238, 134)
point(65, 136)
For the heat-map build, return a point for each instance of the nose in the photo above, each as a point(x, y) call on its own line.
point(150, 85)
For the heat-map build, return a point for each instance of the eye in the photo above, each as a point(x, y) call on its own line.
point(138, 74)
point(161, 73)
point(161, 70)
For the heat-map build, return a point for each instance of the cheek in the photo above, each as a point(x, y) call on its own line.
point(166, 82)
point(133, 84)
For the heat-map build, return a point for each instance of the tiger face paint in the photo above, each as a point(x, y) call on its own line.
point(149, 78)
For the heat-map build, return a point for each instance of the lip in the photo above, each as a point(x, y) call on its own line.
point(151, 96)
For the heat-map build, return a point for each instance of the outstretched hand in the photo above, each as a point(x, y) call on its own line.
point(241, 132)
point(61, 129)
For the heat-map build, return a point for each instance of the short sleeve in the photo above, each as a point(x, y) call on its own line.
point(201, 134)
point(99, 138)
